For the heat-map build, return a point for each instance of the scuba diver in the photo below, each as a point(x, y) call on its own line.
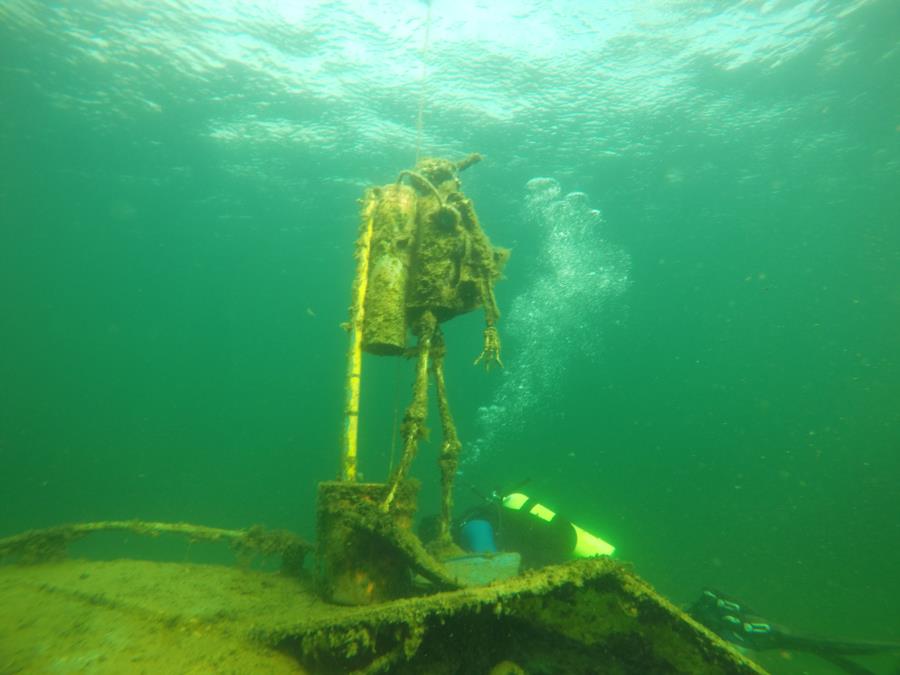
point(739, 625)
point(518, 523)
point(515, 522)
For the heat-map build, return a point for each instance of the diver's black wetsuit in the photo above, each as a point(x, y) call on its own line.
point(736, 623)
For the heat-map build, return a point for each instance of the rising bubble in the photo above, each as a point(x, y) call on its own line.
point(560, 316)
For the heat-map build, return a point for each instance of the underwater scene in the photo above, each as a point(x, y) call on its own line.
point(388, 276)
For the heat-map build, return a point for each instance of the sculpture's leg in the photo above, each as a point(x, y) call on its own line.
point(414, 420)
point(449, 457)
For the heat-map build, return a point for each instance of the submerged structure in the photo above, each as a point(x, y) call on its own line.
point(377, 599)
point(131, 616)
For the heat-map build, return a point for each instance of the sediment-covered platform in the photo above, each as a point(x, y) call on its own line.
point(135, 616)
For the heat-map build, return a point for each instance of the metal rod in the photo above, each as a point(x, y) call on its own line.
point(354, 356)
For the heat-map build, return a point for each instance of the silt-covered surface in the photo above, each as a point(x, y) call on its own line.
point(135, 616)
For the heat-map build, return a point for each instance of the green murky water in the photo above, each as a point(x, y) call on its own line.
point(701, 349)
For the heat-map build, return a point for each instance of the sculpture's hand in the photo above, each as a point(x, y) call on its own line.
point(491, 352)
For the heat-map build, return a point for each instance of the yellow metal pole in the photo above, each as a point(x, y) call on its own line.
point(354, 357)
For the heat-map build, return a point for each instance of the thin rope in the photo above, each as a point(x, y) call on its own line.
point(423, 77)
point(396, 420)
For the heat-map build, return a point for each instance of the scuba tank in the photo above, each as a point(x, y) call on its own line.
point(571, 540)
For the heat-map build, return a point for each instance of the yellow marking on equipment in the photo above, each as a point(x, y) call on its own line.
point(542, 512)
point(587, 545)
point(354, 361)
point(514, 501)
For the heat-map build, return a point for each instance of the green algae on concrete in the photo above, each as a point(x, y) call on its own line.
point(120, 616)
point(587, 616)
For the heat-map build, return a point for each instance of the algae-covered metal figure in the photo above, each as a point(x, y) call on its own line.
point(455, 265)
point(423, 259)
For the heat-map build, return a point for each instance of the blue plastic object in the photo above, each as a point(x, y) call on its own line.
point(477, 536)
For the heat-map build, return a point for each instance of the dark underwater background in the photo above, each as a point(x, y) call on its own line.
point(701, 343)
